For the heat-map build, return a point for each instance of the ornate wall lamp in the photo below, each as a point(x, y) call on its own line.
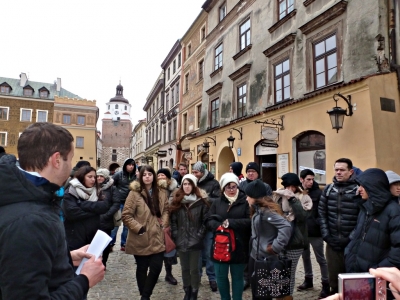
point(206, 144)
point(170, 149)
point(231, 139)
point(337, 113)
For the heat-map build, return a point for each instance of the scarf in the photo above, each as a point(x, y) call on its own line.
point(189, 198)
point(232, 199)
point(89, 194)
point(285, 195)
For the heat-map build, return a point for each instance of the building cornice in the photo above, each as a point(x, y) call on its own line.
point(156, 90)
point(239, 72)
point(50, 101)
point(282, 44)
point(172, 53)
point(214, 88)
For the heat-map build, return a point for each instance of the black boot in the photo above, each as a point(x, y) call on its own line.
point(188, 292)
point(168, 270)
point(193, 295)
point(307, 284)
point(325, 290)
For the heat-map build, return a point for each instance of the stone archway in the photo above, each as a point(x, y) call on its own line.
point(225, 158)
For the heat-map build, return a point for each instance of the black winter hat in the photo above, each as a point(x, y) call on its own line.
point(237, 168)
point(166, 172)
point(253, 166)
point(82, 163)
point(256, 189)
point(290, 179)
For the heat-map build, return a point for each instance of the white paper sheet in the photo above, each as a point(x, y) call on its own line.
point(96, 247)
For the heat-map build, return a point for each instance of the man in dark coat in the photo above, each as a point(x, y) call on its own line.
point(253, 173)
point(236, 168)
point(338, 213)
point(314, 236)
point(34, 257)
point(122, 180)
point(375, 242)
point(207, 182)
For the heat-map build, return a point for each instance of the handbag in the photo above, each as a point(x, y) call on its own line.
point(117, 218)
point(169, 243)
point(271, 276)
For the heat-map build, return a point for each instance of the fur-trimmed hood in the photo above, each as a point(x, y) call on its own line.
point(163, 183)
point(135, 186)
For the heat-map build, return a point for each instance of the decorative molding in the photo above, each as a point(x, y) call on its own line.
point(282, 44)
point(175, 81)
point(216, 72)
point(282, 21)
point(328, 15)
point(281, 57)
point(308, 2)
point(241, 52)
point(214, 88)
point(241, 71)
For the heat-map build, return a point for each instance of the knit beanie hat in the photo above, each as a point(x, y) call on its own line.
point(166, 172)
point(103, 172)
point(253, 166)
point(256, 189)
point(227, 178)
point(199, 166)
point(392, 177)
point(191, 177)
point(290, 179)
point(236, 168)
point(82, 163)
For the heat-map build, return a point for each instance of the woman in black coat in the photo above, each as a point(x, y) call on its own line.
point(231, 210)
point(107, 194)
point(82, 208)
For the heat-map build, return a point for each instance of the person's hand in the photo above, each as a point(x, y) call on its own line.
point(333, 297)
point(343, 242)
point(270, 250)
point(79, 254)
point(94, 271)
point(225, 224)
point(391, 275)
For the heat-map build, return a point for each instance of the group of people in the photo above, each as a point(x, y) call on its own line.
point(50, 215)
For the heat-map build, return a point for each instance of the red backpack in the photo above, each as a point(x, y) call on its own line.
point(224, 244)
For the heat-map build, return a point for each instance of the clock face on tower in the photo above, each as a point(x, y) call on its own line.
point(116, 112)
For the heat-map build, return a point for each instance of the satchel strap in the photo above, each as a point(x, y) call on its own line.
point(258, 233)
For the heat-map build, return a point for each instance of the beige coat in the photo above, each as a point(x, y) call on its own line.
point(136, 214)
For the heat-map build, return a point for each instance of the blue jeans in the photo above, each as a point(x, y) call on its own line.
point(222, 272)
point(205, 257)
point(124, 233)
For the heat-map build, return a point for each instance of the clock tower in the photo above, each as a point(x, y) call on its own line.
point(117, 131)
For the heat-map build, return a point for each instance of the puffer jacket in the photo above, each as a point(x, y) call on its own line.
point(238, 215)
point(136, 214)
point(122, 181)
point(375, 242)
point(338, 211)
point(8, 159)
point(268, 228)
point(107, 193)
point(313, 226)
point(82, 218)
point(210, 185)
point(187, 224)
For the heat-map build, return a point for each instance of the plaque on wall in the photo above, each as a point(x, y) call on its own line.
point(283, 164)
point(270, 133)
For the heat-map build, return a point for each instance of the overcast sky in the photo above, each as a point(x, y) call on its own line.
point(92, 44)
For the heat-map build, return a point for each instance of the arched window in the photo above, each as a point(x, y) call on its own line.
point(126, 107)
point(108, 106)
point(116, 106)
point(311, 154)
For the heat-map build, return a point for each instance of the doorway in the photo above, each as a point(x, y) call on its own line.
point(268, 169)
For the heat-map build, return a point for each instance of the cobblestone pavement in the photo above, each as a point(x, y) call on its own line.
point(120, 281)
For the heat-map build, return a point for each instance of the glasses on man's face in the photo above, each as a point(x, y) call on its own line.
point(231, 187)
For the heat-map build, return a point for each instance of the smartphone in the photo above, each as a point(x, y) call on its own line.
point(361, 286)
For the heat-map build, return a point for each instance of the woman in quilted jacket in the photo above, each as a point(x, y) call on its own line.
point(188, 212)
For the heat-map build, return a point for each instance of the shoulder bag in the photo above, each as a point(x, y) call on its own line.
point(117, 218)
point(271, 276)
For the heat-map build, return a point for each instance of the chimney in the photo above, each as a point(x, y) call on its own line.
point(58, 84)
point(23, 80)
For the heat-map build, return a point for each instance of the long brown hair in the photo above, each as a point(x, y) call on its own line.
point(266, 202)
point(177, 196)
point(153, 202)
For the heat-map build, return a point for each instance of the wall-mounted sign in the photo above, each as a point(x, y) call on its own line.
point(268, 165)
point(283, 164)
point(267, 144)
point(260, 150)
point(270, 133)
point(239, 151)
point(188, 155)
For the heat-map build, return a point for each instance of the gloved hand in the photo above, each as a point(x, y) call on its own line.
point(343, 242)
point(333, 242)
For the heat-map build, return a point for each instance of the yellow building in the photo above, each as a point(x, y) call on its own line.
point(79, 116)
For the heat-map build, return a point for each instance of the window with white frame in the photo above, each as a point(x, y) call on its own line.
point(66, 119)
point(215, 113)
point(3, 138)
point(222, 11)
point(26, 115)
point(244, 34)
point(282, 81)
point(218, 57)
point(285, 7)
point(41, 115)
point(79, 141)
point(325, 61)
point(81, 120)
point(241, 100)
point(4, 113)
point(4, 89)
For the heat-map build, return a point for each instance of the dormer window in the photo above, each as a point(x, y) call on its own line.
point(43, 92)
point(5, 88)
point(28, 91)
